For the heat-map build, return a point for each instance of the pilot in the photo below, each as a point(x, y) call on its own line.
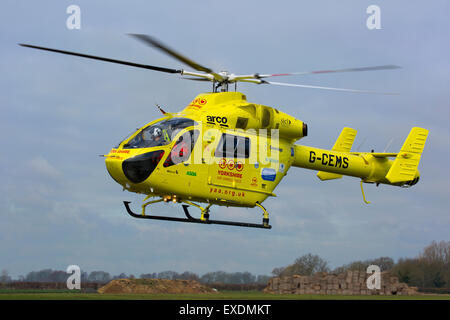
point(157, 134)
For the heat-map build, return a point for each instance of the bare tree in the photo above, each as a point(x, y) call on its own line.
point(4, 277)
point(431, 268)
point(307, 265)
point(99, 276)
point(437, 252)
point(385, 263)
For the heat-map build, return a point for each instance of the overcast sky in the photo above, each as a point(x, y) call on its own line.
point(59, 206)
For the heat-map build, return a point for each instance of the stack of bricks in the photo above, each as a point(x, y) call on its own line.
point(347, 283)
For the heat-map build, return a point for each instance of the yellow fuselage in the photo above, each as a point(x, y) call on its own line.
point(263, 151)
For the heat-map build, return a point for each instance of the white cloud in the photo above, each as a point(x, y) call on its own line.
point(41, 166)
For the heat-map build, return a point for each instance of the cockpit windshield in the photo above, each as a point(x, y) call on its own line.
point(159, 134)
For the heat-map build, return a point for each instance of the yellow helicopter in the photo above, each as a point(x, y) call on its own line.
point(223, 150)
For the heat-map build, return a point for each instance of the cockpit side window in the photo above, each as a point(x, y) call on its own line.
point(126, 138)
point(159, 134)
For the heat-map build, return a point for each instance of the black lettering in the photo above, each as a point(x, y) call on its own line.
point(345, 160)
point(312, 156)
point(324, 159)
point(338, 162)
point(331, 164)
point(221, 120)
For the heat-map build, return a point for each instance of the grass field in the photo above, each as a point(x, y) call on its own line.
point(226, 295)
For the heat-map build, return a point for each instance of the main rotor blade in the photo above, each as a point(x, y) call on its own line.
point(325, 88)
point(260, 76)
point(127, 63)
point(196, 79)
point(376, 68)
point(158, 44)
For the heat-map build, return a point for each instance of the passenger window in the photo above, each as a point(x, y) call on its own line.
point(182, 150)
point(231, 146)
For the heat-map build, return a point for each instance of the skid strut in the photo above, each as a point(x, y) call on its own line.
point(204, 218)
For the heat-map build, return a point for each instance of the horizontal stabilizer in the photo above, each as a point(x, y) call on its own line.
point(377, 154)
point(405, 164)
point(343, 144)
point(322, 175)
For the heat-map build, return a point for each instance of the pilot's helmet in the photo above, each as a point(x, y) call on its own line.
point(157, 132)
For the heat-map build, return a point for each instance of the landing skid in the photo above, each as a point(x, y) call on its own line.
point(189, 218)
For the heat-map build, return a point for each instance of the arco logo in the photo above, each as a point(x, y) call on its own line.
point(222, 121)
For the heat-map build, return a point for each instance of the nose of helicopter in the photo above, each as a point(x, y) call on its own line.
point(135, 169)
point(114, 168)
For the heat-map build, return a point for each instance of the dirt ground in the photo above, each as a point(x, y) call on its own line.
point(142, 286)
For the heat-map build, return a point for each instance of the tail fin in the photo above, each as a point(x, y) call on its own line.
point(343, 144)
point(405, 164)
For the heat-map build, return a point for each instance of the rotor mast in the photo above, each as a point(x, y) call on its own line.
point(223, 85)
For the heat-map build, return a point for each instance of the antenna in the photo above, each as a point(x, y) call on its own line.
point(160, 109)
point(389, 144)
point(361, 144)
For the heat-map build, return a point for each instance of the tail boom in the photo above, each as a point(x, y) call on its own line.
point(368, 166)
point(362, 165)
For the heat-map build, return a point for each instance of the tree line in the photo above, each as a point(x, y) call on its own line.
point(430, 269)
point(49, 275)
